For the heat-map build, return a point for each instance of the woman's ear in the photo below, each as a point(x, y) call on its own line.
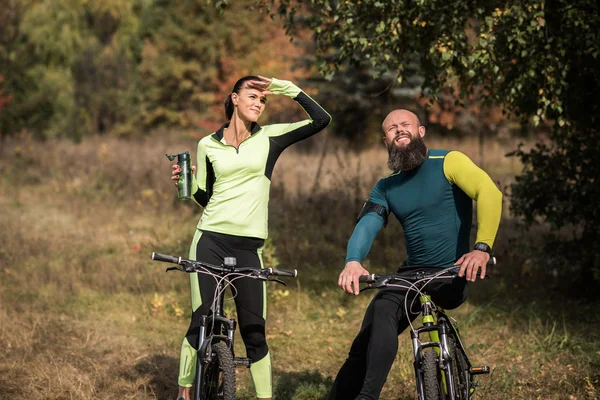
point(234, 98)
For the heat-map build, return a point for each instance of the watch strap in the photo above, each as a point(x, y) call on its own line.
point(483, 247)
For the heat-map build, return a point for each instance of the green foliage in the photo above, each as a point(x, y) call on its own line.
point(557, 181)
point(4, 99)
point(78, 67)
point(68, 64)
point(538, 59)
point(521, 54)
point(10, 64)
point(559, 185)
point(190, 59)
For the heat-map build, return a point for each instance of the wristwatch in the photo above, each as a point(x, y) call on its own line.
point(483, 247)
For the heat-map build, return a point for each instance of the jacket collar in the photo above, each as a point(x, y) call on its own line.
point(219, 134)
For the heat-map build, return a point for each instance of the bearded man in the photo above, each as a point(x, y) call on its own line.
point(431, 193)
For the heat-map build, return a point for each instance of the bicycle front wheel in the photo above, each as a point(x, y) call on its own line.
point(431, 375)
point(460, 369)
point(219, 374)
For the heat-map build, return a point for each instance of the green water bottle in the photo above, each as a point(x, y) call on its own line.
point(184, 183)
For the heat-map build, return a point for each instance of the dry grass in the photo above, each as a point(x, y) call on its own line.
point(85, 315)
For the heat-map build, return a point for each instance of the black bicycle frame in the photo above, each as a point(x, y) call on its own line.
point(218, 322)
point(205, 340)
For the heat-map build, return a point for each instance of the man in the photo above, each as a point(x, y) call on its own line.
point(430, 192)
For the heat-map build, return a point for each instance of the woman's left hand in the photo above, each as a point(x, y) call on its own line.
point(262, 84)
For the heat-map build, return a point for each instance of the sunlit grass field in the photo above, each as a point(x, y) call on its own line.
point(85, 314)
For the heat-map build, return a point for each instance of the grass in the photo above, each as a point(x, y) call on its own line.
point(85, 314)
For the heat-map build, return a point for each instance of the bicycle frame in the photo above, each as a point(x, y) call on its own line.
point(206, 337)
point(456, 381)
point(437, 340)
point(437, 324)
point(216, 327)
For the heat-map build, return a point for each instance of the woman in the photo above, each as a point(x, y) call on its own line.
point(232, 183)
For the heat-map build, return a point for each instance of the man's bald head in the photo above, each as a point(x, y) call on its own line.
point(402, 126)
point(400, 115)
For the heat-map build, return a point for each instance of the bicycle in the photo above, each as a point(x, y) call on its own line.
point(216, 361)
point(442, 368)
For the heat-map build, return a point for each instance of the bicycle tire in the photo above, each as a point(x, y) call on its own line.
point(219, 374)
point(460, 369)
point(431, 375)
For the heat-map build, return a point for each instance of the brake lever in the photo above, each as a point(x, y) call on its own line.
point(276, 280)
point(378, 284)
point(172, 268)
point(188, 268)
point(381, 283)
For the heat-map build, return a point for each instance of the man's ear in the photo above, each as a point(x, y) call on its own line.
point(421, 130)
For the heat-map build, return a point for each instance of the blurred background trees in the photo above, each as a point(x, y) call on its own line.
point(498, 71)
point(539, 61)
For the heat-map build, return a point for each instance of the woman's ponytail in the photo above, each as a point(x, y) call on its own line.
point(228, 108)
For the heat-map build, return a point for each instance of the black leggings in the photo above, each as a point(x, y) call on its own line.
point(250, 299)
point(374, 349)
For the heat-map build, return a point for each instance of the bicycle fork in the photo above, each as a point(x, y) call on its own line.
point(199, 359)
point(438, 340)
point(203, 356)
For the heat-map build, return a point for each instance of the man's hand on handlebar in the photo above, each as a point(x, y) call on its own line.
point(348, 279)
point(470, 264)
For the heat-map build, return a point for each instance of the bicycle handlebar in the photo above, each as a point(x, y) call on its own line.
point(416, 273)
point(292, 273)
point(411, 274)
point(194, 266)
point(166, 258)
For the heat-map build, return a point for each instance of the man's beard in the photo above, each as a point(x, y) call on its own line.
point(407, 157)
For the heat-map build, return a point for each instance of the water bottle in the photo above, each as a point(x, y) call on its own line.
point(184, 183)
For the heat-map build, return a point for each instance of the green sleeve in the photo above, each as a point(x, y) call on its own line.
point(285, 88)
point(290, 133)
point(476, 183)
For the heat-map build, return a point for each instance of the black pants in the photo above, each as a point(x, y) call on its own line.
point(374, 349)
point(250, 296)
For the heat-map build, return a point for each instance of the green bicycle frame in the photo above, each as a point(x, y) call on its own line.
point(434, 336)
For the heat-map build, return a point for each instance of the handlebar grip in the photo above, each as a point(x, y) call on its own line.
point(165, 258)
point(367, 278)
point(285, 272)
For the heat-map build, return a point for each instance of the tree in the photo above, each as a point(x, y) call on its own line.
point(538, 59)
point(10, 65)
point(68, 64)
point(193, 55)
point(4, 100)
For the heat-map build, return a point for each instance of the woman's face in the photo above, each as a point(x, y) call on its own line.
point(250, 103)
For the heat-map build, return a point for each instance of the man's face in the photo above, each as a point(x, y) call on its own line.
point(404, 140)
point(401, 127)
